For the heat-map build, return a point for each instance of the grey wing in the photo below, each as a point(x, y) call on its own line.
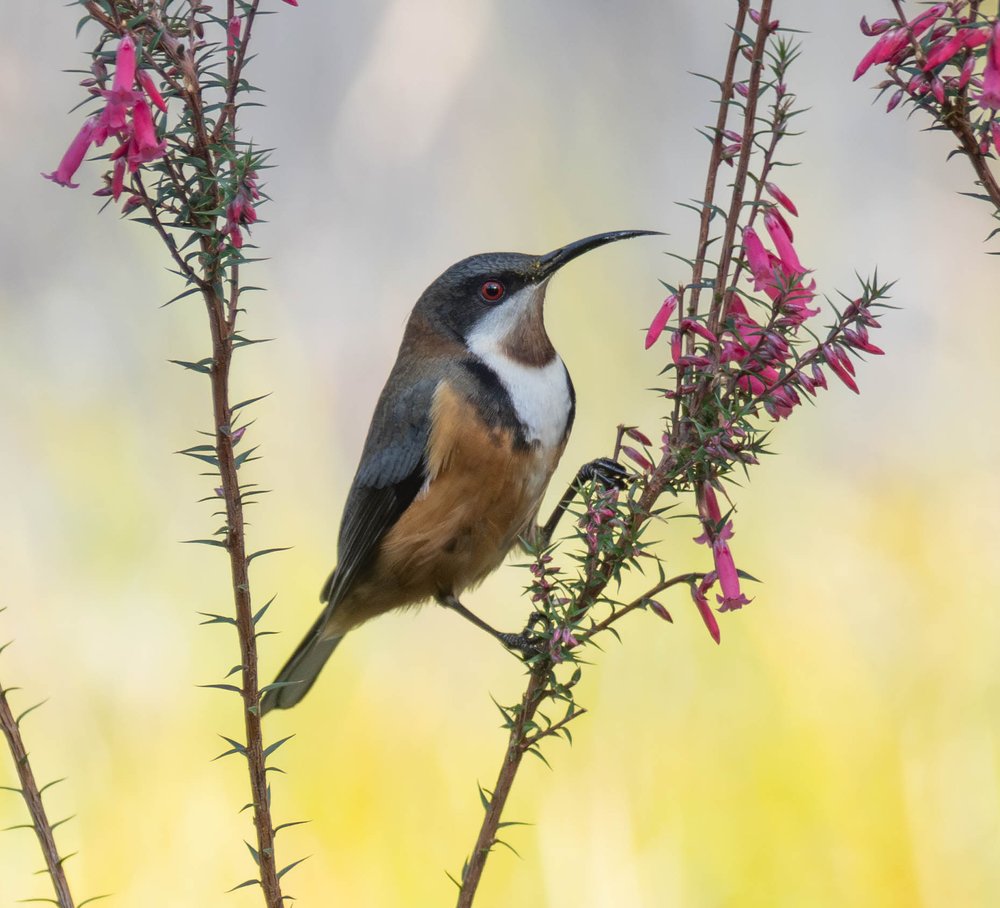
point(391, 473)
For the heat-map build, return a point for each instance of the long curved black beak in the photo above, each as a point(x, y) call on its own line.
point(551, 262)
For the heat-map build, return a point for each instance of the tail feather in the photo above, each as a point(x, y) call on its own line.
point(301, 670)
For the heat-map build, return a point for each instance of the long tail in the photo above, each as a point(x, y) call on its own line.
point(302, 668)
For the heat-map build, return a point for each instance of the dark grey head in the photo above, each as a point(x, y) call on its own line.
point(498, 295)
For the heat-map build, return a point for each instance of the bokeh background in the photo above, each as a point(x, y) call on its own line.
point(839, 748)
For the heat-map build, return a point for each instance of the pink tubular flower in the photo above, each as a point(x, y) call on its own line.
point(755, 18)
point(634, 433)
point(118, 178)
point(943, 51)
point(233, 35)
point(757, 258)
point(991, 76)
point(240, 212)
point(292, 2)
point(781, 198)
point(698, 328)
point(142, 146)
point(966, 74)
point(783, 243)
point(841, 364)
point(700, 597)
point(561, 641)
point(717, 534)
point(927, 18)
point(883, 50)
point(876, 28)
point(152, 92)
point(661, 319)
point(775, 212)
point(858, 338)
point(657, 609)
point(634, 455)
point(122, 94)
point(893, 45)
point(124, 65)
point(73, 158)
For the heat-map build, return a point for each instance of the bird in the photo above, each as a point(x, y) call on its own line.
point(465, 437)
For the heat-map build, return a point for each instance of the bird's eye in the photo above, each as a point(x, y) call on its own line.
point(492, 291)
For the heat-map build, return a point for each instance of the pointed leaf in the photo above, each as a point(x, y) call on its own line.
point(288, 867)
point(273, 747)
point(262, 552)
point(263, 609)
point(204, 366)
point(247, 402)
point(244, 884)
point(216, 619)
point(30, 709)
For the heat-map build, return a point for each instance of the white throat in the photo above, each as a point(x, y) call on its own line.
point(540, 394)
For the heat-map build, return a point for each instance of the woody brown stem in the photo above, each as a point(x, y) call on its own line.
point(717, 313)
point(517, 746)
point(715, 160)
point(33, 799)
point(222, 353)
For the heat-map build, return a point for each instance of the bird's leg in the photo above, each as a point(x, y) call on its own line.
point(607, 472)
point(522, 642)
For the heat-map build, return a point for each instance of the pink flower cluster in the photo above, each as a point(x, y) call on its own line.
point(761, 354)
point(894, 43)
point(562, 638)
point(717, 534)
point(948, 43)
point(127, 116)
point(561, 641)
point(601, 515)
point(240, 212)
point(749, 362)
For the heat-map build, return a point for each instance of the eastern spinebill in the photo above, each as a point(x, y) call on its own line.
point(464, 440)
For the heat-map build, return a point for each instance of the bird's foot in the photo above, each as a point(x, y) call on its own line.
point(605, 471)
point(529, 642)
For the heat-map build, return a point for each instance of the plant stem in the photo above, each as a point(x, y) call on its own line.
point(517, 746)
point(955, 117)
point(222, 353)
point(718, 310)
point(33, 798)
point(715, 159)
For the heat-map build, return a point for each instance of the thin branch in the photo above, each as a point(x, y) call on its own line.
point(235, 67)
point(222, 353)
point(717, 312)
point(150, 204)
point(209, 273)
point(715, 159)
point(639, 602)
point(535, 693)
point(33, 799)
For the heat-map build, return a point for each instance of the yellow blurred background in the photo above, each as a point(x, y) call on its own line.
point(839, 748)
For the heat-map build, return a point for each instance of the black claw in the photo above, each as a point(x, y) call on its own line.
point(609, 473)
point(537, 618)
point(522, 643)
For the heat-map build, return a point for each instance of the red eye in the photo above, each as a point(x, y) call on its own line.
point(492, 291)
